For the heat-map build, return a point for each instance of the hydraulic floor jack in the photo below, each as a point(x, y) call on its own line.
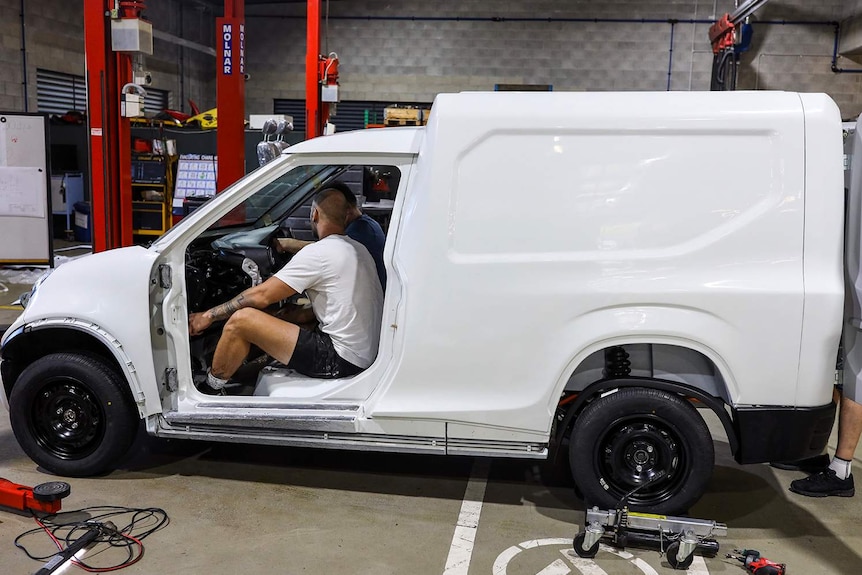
point(678, 537)
point(44, 498)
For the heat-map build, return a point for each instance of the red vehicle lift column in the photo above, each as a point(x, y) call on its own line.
point(230, 86)
point(320, 71)
point(110, 139)
point(312, 56)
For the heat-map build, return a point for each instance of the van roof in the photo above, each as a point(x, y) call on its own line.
point(372, 141)
point(505, 109)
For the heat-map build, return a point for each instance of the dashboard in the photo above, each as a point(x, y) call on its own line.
point(219, 269)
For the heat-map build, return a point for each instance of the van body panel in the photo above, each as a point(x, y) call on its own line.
point(824, 250)
point(599, 205)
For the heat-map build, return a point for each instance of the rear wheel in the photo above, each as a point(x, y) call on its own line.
point(641, 439)
point(71, 414)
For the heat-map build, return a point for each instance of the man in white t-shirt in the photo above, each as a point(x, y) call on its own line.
point(339, 277)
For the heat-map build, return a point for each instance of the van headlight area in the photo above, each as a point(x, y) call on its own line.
point(26, 297)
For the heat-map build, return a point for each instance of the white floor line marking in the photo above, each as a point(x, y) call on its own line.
point(697, 567)
point(550, 541)
point(461, 550)
point(586, 566)
point(558, 567)
point(503, 560)
point(644, 566)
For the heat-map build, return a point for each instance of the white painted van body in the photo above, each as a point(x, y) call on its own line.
point(531, 233)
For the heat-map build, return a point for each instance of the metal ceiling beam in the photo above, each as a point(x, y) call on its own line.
point(166, 37)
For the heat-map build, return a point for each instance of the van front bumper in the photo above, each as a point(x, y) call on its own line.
point(782, 433)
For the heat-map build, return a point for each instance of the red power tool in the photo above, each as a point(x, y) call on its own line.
point(44, 498)
point(755, 564)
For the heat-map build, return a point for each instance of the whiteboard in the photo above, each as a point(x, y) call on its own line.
point(25, 205)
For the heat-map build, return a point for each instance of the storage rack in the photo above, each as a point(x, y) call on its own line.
point(151, 172)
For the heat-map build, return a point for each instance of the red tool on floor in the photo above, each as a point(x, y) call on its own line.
point(757, 565)
point(44, 498)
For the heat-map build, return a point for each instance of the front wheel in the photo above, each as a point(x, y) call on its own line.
point(649, 442)
point(71, 414)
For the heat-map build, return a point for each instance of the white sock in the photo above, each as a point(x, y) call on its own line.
point(215, 382)
point(841, 467)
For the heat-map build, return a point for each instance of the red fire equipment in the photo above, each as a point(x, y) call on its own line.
point(725, 38)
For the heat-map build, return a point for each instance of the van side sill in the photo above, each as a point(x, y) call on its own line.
point(256, 418)
point(220, 430)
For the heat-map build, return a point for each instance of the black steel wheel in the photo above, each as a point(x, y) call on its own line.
point(671, 552)
point(643, 440)
point(578, 543)
point(72, 415)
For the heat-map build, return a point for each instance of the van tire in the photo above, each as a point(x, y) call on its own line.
point(71, 414)
point(655, 430)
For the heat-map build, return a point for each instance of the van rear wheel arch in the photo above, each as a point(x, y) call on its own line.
point(574, 404)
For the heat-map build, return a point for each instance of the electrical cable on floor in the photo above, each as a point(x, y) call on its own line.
point(121, 528)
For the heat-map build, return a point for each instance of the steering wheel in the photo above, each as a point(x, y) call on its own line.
point(278, 256)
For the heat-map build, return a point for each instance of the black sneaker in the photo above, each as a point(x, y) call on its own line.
point(824, 484)
point(808, 465)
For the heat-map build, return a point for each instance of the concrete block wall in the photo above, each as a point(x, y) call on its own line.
point(185, 73)
point(11, 70)
point(54, 40)
point(407, 60)
point(54, 35)
point(413, 60)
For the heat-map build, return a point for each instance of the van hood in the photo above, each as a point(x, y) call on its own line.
point(109, 289)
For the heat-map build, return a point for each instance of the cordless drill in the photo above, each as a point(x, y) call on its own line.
point(755, 564)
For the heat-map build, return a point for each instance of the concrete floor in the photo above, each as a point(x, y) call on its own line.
point(255, 509)
point(260, 509)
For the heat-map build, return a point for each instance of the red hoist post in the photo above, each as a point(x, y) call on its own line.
point(722, 34)
point(108, 72)
point(321, 77)
point(230, 94)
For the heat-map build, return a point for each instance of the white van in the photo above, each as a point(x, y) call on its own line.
point(575, 271)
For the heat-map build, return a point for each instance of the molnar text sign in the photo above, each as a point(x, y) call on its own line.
point(232, 48)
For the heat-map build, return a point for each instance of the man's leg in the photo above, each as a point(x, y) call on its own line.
point(849, 429)
point(251, 326)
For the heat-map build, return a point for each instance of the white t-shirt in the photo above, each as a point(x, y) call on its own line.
point(340, 278)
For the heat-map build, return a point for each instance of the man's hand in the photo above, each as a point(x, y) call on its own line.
point(290, 245)
point(199, 322)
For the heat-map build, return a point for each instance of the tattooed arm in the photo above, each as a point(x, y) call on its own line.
point(260, 296)
point(227, 309)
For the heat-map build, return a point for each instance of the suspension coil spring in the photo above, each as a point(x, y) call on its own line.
point(617, 362)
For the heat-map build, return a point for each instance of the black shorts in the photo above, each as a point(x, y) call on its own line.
point(315, 356)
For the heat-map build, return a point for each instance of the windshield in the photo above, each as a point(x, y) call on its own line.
point(274, 199)
point(288, 197)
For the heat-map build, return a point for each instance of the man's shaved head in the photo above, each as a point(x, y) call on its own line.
point(349, 196)
point(332, 206)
